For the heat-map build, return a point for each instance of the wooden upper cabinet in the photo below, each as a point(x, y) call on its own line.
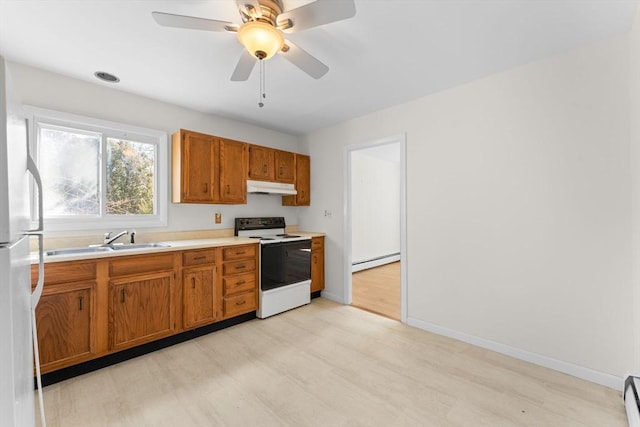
point(193, 167)
point(302, 183)
point(208, 169)
point(269, 164)
point(232, 156)
point(285, 166)
point(261, 163)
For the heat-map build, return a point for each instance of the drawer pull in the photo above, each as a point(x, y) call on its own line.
point(241, 266)
point(241, 302)
point(80, 301)
point(193, 282)
point(241, 282)
point(199, 257)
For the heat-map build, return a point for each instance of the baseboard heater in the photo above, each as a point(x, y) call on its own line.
point(374, 262)
point(631, 401)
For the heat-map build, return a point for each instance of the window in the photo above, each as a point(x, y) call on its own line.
point(98, 174)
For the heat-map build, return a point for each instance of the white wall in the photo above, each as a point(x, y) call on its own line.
point(375, 199)
point(518, 209)
point(634, 90)
point(53, 91)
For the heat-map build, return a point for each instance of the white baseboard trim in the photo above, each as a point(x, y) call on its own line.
point(375, 263)
point(332, 297)
point(607, 380)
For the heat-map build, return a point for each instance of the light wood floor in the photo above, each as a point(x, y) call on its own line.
point(378, 290)
point(328, 365)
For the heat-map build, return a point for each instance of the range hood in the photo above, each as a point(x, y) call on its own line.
point(267, 187)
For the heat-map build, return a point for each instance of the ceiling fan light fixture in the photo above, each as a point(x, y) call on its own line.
point(260, 39)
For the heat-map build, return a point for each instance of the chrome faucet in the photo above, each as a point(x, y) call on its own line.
point(109, 240)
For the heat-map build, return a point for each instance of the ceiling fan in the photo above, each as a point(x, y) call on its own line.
point(262, 30)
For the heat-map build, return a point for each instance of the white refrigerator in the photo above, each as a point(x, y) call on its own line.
point(17, 301)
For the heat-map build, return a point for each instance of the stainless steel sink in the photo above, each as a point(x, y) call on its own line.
point(76, 251)
point(109, 248)
point(125, 246)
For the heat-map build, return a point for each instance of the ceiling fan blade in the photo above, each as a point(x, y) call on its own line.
point(191, 22)
point(249, 8)
point(303, 60)
point(244, 67)
point(319, 12)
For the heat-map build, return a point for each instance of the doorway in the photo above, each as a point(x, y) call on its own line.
point(375, 227)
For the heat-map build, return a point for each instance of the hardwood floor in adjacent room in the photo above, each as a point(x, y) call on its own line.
point(378, 290)
point(327, 364)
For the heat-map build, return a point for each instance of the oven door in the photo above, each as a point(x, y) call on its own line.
point(284, 263)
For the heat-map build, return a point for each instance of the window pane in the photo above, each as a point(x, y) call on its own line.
point(130, 177)
point(69, 165)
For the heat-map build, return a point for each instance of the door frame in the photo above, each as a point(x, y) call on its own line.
point(393, 139)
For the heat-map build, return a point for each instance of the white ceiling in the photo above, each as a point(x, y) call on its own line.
point(392, 51)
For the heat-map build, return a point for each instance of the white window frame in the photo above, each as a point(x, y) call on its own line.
point(108, 129)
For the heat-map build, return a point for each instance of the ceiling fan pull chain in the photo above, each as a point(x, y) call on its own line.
point(264, 81)
point(261, 93)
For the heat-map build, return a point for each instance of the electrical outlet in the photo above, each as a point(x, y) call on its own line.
point(328, 213)
point(218, 217)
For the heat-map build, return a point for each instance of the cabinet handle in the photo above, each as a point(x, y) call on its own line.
point(241, 303)
point(122, 296)
point(193, 282)
point(200, 257)
point(241, 282)
point(238, 267)
point(228, 189)
point(206, 187)
point(240, 253)
point(80, 303)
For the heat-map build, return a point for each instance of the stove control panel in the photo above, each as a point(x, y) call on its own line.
point(259, 223)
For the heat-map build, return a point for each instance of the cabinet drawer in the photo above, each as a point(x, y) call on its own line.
point(237, 267)
point(317, 243)
point(239, 283)
point(199, 257)
point(239, 304)
point(60, 272)
point(140, 264)
point(238, 252)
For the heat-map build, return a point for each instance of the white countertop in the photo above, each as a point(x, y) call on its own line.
point(176, 245)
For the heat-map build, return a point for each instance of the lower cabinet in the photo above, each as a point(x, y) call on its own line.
point(239, 278)
point(199, 289)
point(66, 314)
point(92, 308)
point(317, 263)
point(64, 321)
point(142, 309)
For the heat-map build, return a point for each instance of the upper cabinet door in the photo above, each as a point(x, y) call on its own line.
point(193, 167)
point(302, 182)
point(285, 166)
point(261, 163)
point(233, 172)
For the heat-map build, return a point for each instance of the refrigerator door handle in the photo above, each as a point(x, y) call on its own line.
point(37, 292)
point(33, 169)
